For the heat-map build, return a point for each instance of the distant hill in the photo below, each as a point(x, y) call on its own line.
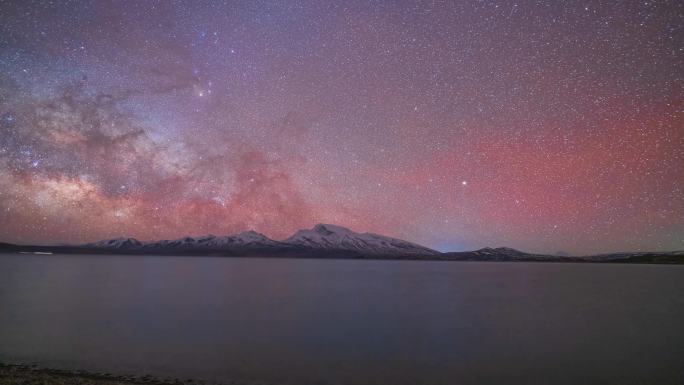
point(640, 257)
point(9, 248)
point(506, 254)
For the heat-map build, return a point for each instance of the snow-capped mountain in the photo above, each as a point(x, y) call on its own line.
point(320, 239)
point(117, 243)
point(247, 239)
point(332, 237)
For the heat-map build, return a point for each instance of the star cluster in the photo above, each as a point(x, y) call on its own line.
point(542, 125)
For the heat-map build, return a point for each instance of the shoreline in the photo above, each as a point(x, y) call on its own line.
point(26, 374)
point(647, 259)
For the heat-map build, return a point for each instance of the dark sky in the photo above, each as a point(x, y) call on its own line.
point(541, 125)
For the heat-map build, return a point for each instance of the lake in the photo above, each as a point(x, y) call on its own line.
point(303, 321)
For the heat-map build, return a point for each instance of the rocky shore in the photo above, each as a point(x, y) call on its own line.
point(12, 374)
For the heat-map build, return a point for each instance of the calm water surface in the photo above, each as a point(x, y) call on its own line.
point(296, 321)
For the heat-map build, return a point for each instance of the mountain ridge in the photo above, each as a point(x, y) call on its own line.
point(327, 241)
point(322, 237)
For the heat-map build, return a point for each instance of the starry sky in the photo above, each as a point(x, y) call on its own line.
point(548, 126)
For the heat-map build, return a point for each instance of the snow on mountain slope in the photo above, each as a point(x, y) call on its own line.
point(320, 237)
point(250, 239)
point(324, 236)
point(246, 238)
point(117, 243)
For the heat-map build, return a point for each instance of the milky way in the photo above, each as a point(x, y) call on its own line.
point(546, 126)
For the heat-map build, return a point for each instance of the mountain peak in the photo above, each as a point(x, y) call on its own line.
point(252, 235)
point(327, 229)
point(507, 250)
point(333, 237)
point(118, 243)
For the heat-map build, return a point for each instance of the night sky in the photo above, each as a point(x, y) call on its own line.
point(546, 126)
